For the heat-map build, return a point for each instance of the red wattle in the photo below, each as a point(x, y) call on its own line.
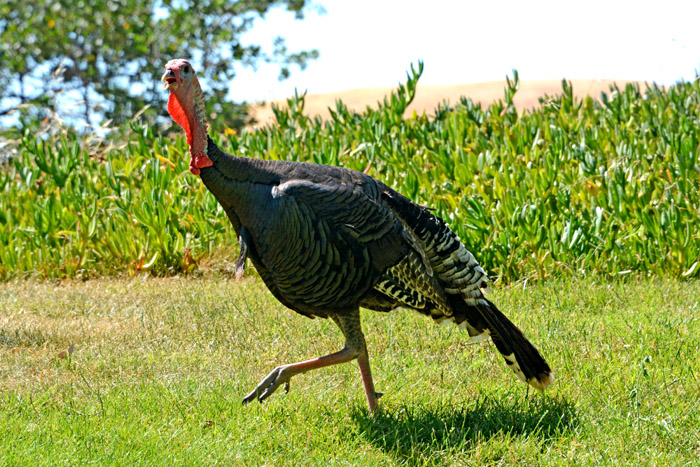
point(193, 170)
point(178, 114)
point(202, 161)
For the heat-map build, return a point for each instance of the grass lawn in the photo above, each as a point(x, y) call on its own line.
point(159, 367)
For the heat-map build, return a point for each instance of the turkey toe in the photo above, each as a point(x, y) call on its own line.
point(269, 385)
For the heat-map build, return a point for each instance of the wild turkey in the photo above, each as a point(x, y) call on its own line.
point(327, 241)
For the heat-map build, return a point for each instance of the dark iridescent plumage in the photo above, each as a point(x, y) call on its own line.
point(327, 240)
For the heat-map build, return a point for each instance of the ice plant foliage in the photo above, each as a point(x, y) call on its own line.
point(608, 186)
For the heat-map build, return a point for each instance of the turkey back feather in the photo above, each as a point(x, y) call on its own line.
point(456, 294)
point(326, 239)
point(320, 234)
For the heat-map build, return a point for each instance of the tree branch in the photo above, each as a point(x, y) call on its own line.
point(25, 102)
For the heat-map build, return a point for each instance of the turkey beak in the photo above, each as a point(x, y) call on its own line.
point(168, 78)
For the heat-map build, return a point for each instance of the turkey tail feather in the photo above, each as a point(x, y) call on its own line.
point(520, 355)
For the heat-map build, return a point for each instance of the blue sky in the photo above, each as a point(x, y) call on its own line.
point(365, 43)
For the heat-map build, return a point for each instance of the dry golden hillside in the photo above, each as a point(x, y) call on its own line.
point(428, 97)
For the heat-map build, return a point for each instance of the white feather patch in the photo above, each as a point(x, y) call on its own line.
point(544, 384)
point(481, 337)
point(513, 364)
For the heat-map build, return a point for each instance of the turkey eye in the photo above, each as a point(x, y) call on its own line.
point(187, 69)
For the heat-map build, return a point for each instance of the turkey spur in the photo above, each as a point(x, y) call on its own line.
point(327, 241)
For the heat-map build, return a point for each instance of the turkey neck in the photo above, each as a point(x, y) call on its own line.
point(241, 185)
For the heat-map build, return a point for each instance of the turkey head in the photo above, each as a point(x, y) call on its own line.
point(186, 107)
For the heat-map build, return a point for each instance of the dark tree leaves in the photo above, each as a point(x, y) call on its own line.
point(108, 55)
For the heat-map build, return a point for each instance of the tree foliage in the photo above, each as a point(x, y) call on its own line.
point(105, 56)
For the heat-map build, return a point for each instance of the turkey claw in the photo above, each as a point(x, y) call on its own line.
point(269, 384)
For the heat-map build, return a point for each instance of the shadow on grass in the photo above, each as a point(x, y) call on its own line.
point(412, 433)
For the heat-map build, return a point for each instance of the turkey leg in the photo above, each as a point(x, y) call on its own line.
point(355, 348)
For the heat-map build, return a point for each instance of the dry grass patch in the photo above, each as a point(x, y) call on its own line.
point(159, 367)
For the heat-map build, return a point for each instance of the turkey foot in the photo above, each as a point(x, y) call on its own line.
point(282, 374)
point(270, 384)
